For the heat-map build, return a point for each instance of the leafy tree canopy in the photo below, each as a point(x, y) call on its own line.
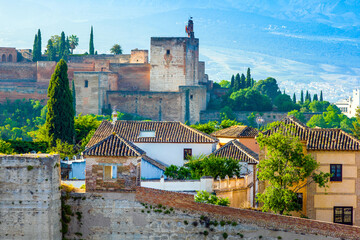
point(116, 49)
point(250, 100)
point(269, 87)
point(225, 84)
point(206, 197)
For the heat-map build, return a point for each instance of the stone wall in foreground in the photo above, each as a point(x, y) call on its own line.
point(30, 197)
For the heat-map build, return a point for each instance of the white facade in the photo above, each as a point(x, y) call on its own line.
point(173, 153)
point(204, 184)
point(349, 106)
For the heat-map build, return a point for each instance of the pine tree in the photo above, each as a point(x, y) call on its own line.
point(302, 97)
point(35, 47)
point(315, 97)
point(242, 81)
point(51, 54)
point(321, 96)
point(294, 98)
point(307, 96)
point(237, 83)
point(60, 116)
point(91, 44)
point(62, 46)
point(232, 81)
point(248, 78)
point(39, 52)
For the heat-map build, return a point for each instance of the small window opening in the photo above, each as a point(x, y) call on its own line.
point(168, 51)
point(336, 172)
point(191, 97)
point(110, 172)
point(86, 83)
point(147, 134)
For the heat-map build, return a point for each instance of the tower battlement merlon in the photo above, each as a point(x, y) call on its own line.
point(189, 29)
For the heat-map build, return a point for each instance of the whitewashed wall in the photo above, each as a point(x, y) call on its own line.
point(173, 153)
point(204, 184)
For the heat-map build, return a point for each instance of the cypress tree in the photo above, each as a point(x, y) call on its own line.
point(232, 81)
point(315, 97)
point(51, 54)
point(302, 97)
point(237, 83)
point(321, 96)
point(294, 98)
point(284, 91)
point(252, 82)
point(62, 46)
point(242, 81)
point(60, 116)
point(35, 47)
point(39, 45)
point(248, 78)
point(74, 96)
point(307, 96)
point(91, 44)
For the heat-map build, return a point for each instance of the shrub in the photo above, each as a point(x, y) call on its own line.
point(225, 235)
point(206, 197)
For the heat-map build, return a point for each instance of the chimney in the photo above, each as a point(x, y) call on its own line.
point(114, 116)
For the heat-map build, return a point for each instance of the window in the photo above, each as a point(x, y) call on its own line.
point(343, 215)
point(110, 172)
point(147, 134)
point(336, 171)
point(168, 51)
point(191, 97)
point(187, 153)
point(86, 83)
point(299, 200)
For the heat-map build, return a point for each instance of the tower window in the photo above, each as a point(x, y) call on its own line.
point(168, 51)
point(86, 83)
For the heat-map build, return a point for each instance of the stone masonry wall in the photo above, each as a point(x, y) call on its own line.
point(30, 197)
point(126, 216)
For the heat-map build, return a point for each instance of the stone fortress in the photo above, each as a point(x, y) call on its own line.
point(172, 86)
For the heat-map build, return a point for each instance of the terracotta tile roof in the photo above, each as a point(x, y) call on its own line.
point(154, 162)
point(114, 146)
point(165, 132)
point(320, 138)
point(236, 131)
point(236, 150)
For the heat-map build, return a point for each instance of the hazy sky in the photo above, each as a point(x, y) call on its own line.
point(302, 43)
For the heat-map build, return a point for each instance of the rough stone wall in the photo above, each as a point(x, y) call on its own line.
point(132, 77)
point(192, 62)
point(194, 101)
point(161, 106)
point(168, 63)
point(30, 197)
point(126, 177)
point(17, 71)
point(120, 216)
point(28, 90)
point(44, 70)
point(139, 56)
point(8, 55)
point(121, 58)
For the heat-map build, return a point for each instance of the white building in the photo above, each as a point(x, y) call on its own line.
point(349, 106)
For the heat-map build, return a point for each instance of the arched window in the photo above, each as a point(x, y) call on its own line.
point(10, 58)
point(86, 83)
point(3, 58)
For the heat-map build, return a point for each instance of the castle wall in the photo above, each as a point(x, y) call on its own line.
point(30, 197)
point(132, 77)
point(15, 91)
point(192, 62)
point(139, 56)
point(8, 55)
point(44, 70)
point(17, 71)
point(121, 58)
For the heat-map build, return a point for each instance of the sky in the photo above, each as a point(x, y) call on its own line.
point(305, 44)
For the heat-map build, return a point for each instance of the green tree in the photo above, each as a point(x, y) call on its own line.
point(294, 98)
point(175, 172)
point(51, 52)
point(284, 103)
point(227, 113)
point(237, 83)
point(60, 115)
point(5, 147)
point(268, 87)
point(332, 116)
point(321, 96)
point(73, 95)
point(55, 39)
point(299, 115)
point(250, 100)
point(35, 49)
point(302, 97)
point(225, 84)
point(242, 81)
point(315, 97)
point(287, 170)
point(316, 106)
point(356, 124)
point(116, 49)
point(232, 82)
point(91, 43)
point(248, 78)
point(39, 45)
point(62, 46)
point(74, 42)
point(206, 197)
point(208, 127)
point(64, 149)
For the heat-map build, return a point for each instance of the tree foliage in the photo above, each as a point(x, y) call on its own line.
point(73, 42)
point(60, 115)
point(5, 147)
point(206, 197)
point(91, 43)
point(225, 84)
point(250, 100)
point(286, 168)
point(284, 103)
point(268, 87)
point(116, 49)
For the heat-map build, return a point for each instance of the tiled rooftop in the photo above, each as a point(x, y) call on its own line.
point(237, 131)
point(236, 150)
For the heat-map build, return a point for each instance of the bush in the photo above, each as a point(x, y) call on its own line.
point(206, 197)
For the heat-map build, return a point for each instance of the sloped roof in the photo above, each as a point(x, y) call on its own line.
point(236, 150)
point(114, 146)
point(165, 132)
point(319, 138)
point(237, 131)
point(154, 162)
